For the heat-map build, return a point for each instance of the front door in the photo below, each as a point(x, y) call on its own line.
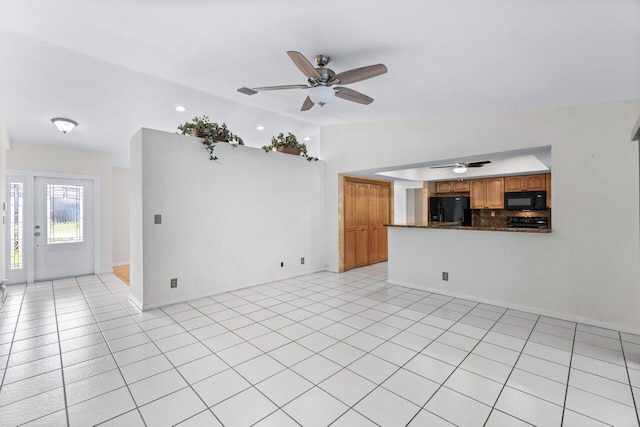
point(63, 228)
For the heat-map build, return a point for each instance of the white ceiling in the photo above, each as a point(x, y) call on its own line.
point(118, 65)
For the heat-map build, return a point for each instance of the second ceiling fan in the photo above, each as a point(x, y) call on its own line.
point(322, 82)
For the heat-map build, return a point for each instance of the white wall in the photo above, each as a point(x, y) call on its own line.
point(399, 203)
point(226, 224)
point(587, 267)
point(47, 158)
point(121, 196)
point(4, 146)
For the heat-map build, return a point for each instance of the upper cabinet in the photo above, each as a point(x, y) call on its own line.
point(547, 179)
point(452, 187)
point(487, 193)
point(525, 183)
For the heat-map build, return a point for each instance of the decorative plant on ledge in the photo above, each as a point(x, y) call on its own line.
point(288, 144)
point(210, 132)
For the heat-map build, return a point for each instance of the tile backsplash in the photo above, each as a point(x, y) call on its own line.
point(483, 218)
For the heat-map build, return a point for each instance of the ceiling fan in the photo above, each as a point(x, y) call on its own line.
point(322, 81)
point(461, 167)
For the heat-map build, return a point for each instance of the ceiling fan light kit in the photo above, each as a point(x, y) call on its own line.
point(461, 167)
point(322, 81)
point(321, 95)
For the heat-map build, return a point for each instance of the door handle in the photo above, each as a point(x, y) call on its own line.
point(37, 234)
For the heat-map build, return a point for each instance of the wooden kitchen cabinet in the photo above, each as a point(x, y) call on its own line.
point(547, 182)
point(487, 193)
point(525, 183)
point(452, 187)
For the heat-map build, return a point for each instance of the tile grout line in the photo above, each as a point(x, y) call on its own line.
point(493, 407)
point(635, 404)
point(504, 313)
point(294, 341)
point(64, 386)
point(110, 353)
point(566, 390)
point(15, 330)
point(173, 366)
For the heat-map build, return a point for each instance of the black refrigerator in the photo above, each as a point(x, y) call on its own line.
point(450, 209)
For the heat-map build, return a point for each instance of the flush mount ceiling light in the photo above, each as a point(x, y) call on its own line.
point(260, 127)
point(180, 108)
point(321, 94)
point(307, 138)
point(64, 125)
point(460, 169)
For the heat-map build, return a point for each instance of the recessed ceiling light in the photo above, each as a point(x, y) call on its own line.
point(307, 138)
point(260, 127)
point(180, 108)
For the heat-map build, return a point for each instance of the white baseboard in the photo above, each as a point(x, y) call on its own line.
point(118, 264)
point(534, 310)
point(135, 301)
point(217, 292)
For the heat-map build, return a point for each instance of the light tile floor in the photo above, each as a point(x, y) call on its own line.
point(322, 349)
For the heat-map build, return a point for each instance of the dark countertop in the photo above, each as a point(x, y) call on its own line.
point(455, 226)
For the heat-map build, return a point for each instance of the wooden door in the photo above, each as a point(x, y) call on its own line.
point(374, 222)
point(362, 224)
point(478, 194)
point(384, 213)
point(495, 193)
point(350, 228)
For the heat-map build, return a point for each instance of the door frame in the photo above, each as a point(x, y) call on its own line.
point(29, 205)
point(342, 179)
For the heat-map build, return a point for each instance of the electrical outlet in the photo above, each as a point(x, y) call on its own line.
point(282, 264)
point(157, 219)
point(302, 260)
point(174, 283)
point(445, 276)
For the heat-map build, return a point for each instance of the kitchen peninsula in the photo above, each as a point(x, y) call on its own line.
point(456, 226)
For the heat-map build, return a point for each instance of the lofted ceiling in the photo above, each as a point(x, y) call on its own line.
point(115, 66)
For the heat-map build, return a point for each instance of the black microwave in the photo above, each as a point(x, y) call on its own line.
point(525, 200)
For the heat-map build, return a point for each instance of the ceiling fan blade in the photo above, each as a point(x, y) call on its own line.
point(477, 164)
point(265, 88)
point(441, 167)
point(304, 65)
point(307, 104)
point(359, 74)
point(353, 95)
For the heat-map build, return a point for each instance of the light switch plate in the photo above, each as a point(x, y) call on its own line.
point(157, 219)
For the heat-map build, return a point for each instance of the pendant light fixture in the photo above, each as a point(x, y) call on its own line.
point(64, 125)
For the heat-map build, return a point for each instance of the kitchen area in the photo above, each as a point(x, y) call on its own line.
point(508, 203)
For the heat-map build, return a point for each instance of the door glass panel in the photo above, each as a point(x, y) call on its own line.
point(64, 214)
point(16, 225)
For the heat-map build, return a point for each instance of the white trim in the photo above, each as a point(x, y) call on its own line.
point(217, 292)
point(29, 200)
point(118, 264)
point(526, 308)
point(135, 301)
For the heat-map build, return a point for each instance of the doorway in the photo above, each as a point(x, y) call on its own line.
point(52, 227)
